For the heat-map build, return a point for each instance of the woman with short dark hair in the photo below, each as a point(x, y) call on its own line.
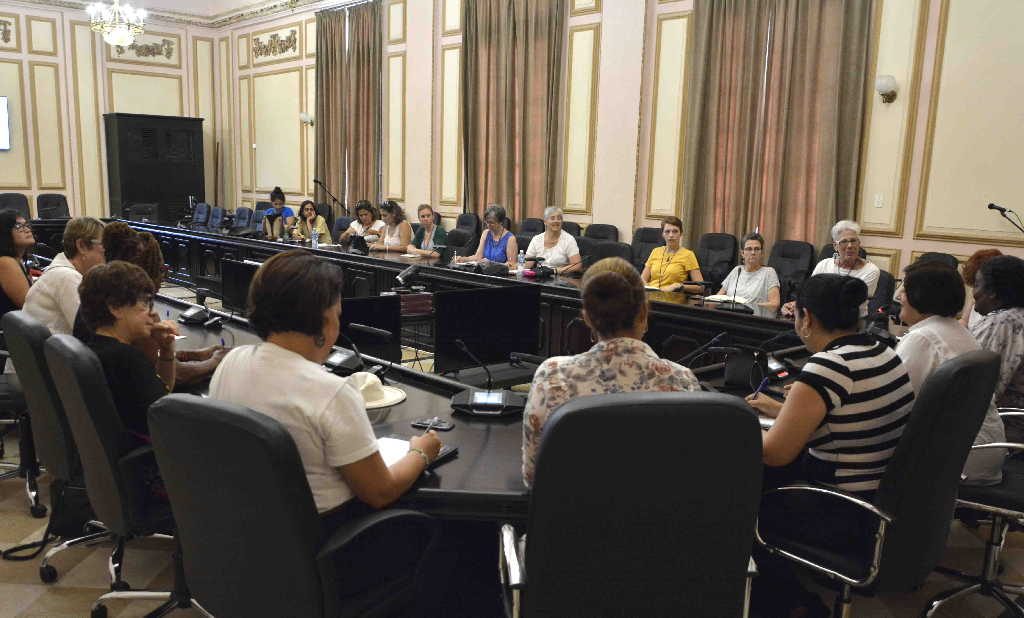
point(671, 266)
point(497, 244)
point(756, 283)
point(397, 232)
point(15, 241)
point(278, 217)
point(999, 297)
point(931, 297)
point(295, 307)
point(616, 310)
point(367, 224)
point(970, 271)
point(117, 304)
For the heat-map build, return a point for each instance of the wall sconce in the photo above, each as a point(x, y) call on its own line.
point(306, 119)
point(886, 87)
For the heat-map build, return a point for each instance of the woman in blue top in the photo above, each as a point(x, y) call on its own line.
point(278, 217)
point(496, 243)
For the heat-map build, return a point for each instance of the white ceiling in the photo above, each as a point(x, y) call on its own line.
point(203, 8)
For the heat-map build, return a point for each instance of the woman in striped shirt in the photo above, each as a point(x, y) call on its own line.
point(839, 425)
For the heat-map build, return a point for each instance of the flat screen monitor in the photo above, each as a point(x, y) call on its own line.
point(5, 125)
point(363, 319)
point(235, 278)
point(492, 322)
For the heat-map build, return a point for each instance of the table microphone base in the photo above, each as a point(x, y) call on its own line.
point(734, 307)
point(488, 403)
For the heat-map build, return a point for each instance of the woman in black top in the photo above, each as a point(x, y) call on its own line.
point(15, 240)
point(134, 347)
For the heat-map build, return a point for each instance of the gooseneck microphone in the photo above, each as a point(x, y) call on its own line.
point(736, 284)
point(1002, 212)
point(465, 349)
point(360, 365)
point(317, 182)
point(719, 338)
point(997, 207)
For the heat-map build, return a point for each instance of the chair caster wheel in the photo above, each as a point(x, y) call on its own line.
point(38, 510)
point(120, 587)
point(100, 611)
point(48, 574)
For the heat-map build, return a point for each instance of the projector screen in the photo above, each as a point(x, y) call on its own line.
point(5, 126)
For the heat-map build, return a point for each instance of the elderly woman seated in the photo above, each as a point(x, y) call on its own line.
point(847, 262)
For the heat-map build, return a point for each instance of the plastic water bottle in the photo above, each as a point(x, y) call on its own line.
point(314, 237)
point(520, 263)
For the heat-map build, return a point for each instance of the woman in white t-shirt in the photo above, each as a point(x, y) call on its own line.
point(366, 224)
point(846, 261)
point(752, 280)
point(397, 232)
point(557, 248)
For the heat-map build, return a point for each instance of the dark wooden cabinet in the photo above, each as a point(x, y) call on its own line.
point(154, 160)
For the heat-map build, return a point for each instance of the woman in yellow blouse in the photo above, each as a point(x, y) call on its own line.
point(308, 221)
point(670, 267)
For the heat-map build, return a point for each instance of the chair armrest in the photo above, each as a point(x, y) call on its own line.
point(1004, 412)
point(1013, 446)
point(836, 493)
point(751, 568)
point(512, 568)
point(353, 528)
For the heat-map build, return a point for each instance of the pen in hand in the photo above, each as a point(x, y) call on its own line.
point(760, 387)
point(431, 424)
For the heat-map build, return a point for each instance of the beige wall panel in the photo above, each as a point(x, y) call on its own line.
point(14, 168)
point(890, 125)
point(278, 44)
point(310, 107)
point(91, 193)
point(886, 259)
point(243, 51)
point(204, 89)
point(245, 151)
point(155, 48)
point(976, 133)
point(665, 191)
point(451, 127)
point(42, 36)
point(277, 132)
point(10, 32)
point(135, 92)
point(310, 38)
point(582, 7)
point(225, 124)
point(396, 22)
point(423, 78)
point(47, 125)
point(580, 116)
point(451, 16)
point(394, 138)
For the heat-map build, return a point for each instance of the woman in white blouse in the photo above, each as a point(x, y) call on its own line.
point(366, 224)
point(931, 297)
point(757, 283)
point(397, 232)
point(557, 248)
point(846, 261)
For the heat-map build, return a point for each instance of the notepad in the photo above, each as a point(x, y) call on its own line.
point(393, 448)
point(652, 288)
point(766, 422)
point(725, 298)
point(411, 255)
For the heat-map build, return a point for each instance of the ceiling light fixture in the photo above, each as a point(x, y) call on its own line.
point(119, 25)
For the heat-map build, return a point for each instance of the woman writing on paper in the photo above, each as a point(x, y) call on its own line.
point(397, 232)
point(755, 283)
point(496, 243)
point(367, 224)
point(669, 268)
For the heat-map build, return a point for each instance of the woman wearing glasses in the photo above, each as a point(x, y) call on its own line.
point(15, 240)
point(846, 261)
point(309, 221)
point(752, 280)
point(670, 267)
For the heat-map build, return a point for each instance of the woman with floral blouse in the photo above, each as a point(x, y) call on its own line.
point(615, 308)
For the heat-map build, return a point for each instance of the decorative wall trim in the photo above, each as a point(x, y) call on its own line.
point(914, 255)
point(282, 44)
point(450, 200)
point(209, 145)
point(37, 120)
point(24, 127)
point(110, 86)
point(53, 35)
point(592, 121)
point(893, 255)
point(245, 131)
point(10, 32)
point(301, 152)
point(83, 200)
point(920, 233)
point(456, 14)
point(310, 38)
point(243, 49)
point(389, 193)
point(397, 35)
point(309, 133)
point(167, 46)
point(585, 7)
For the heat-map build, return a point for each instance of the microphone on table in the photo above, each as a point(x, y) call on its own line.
point(371, 330)
point(736, 284)
point(465, 349)
point(722, 337)
point(356, 363)
point(488, 403)
point(406, 275)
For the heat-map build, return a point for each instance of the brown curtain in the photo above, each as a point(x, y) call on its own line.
point(511, 79)
point(329, 121)
point(363, 102)
point(777, 117)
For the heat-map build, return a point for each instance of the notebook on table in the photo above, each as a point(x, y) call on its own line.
point(393, 448)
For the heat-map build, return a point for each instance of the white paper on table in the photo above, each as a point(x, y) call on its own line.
point(725, 298)
point(392, 449)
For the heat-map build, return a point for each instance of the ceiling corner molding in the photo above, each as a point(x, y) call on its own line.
point(256, 10)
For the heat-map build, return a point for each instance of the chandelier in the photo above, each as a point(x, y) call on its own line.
point(118, 24)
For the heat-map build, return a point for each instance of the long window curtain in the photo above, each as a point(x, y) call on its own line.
point(776, 116)
point(329, 123)
point(511, 77)
point(363, 94)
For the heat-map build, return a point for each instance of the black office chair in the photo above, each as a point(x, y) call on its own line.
point(52, 206)
point(648, 548)
point(14, 413)
point(572, 227)
point(200, 216)
point(242, 222)
point(587, 247)
point(793, 261)
point(602, 231)
point(216, 221)
point(15, 201)
point(468, 222)
point(245, 515)
point(532, 226)
point(340, 225)
point(938, 257)
point(914, 504)
point(508, 224)
point(717, 254)
point(116, 493)
point(609, 248)
point(881, 304)
point(828, 251)
point(54, 443)
point(645, 240)
point(325, 211)
point(462, 243)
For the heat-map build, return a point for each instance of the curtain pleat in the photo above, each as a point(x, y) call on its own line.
point(329, 126)
point(363, 95)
